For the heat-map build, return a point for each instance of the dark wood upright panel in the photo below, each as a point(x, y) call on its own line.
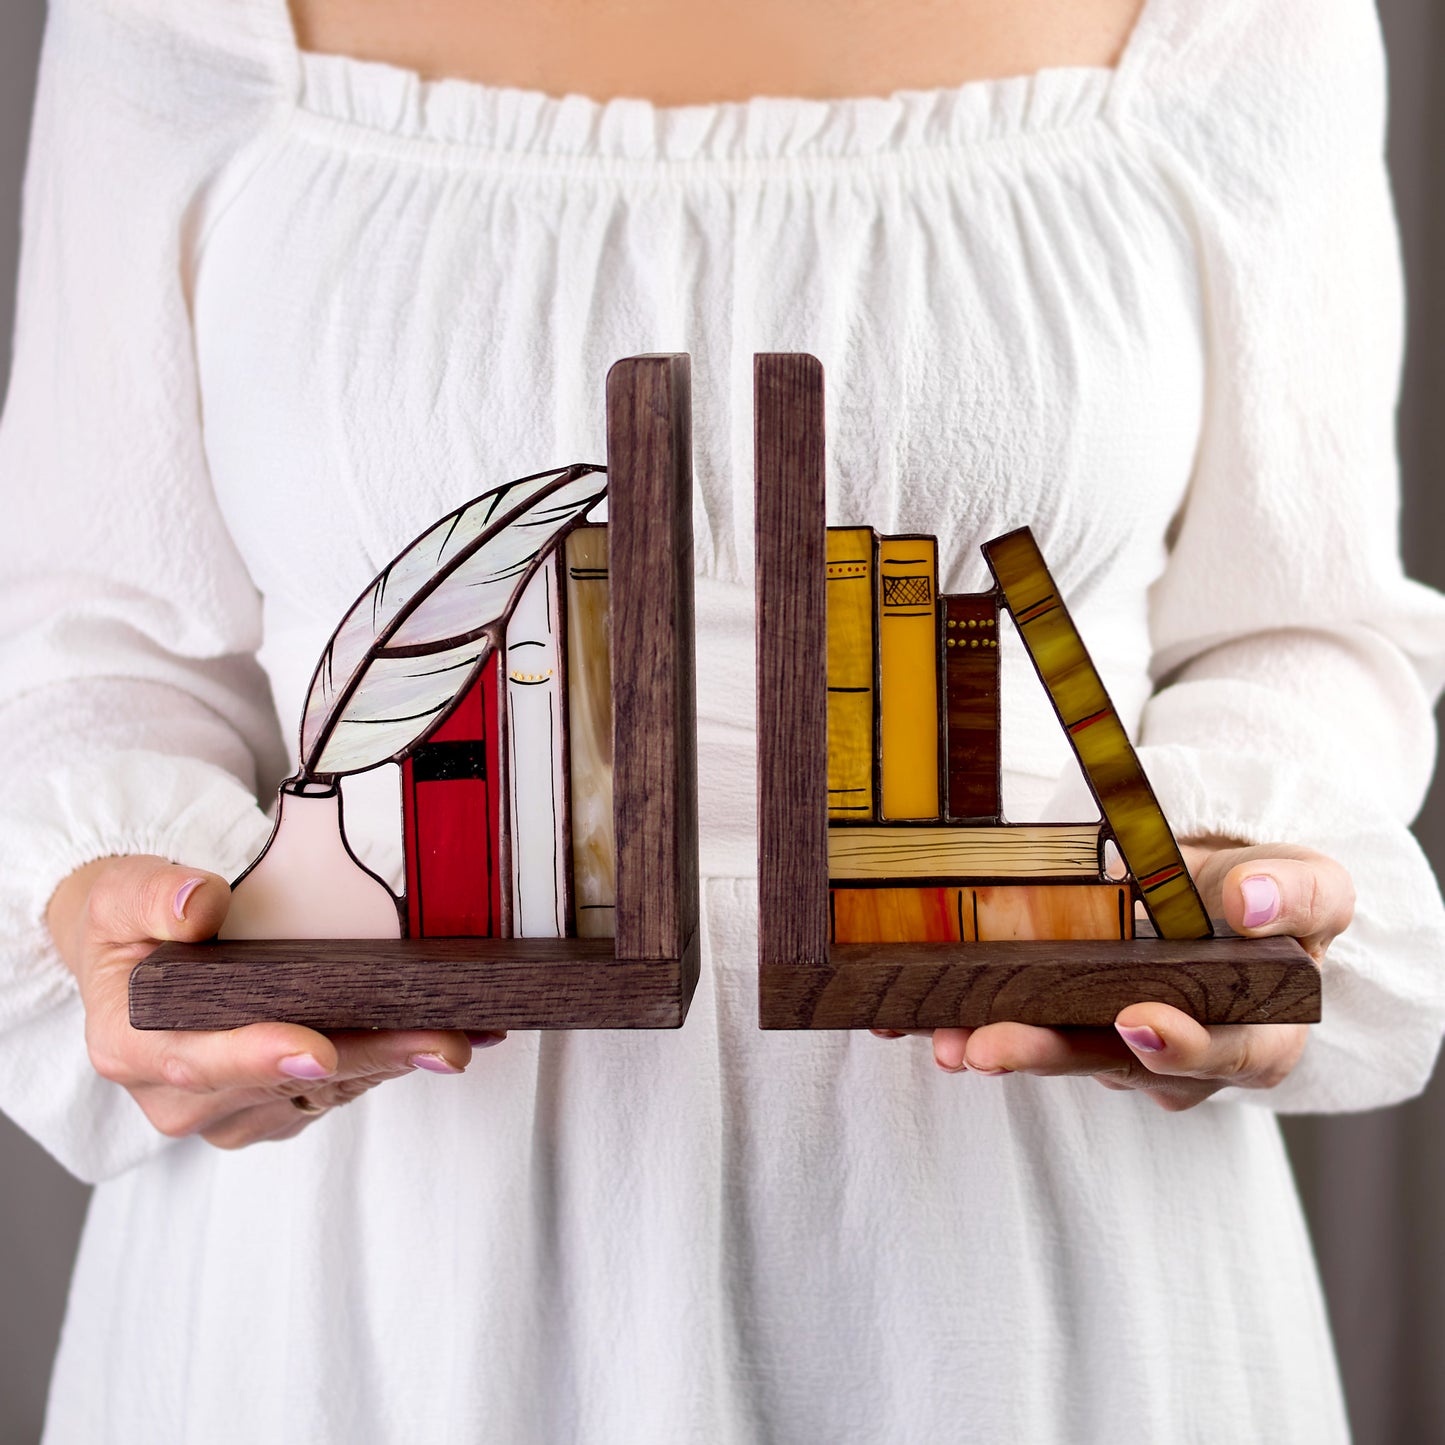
point(649, 469)
point(792, 662)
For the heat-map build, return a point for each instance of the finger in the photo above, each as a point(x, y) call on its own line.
point(134, 902)
point(140, 900)
point(265, 1056)
point(257, 1056)
point(266, 1122)
point(1169, 1043)
point(366, 1052)
point(179, 1113)
point(1010, 1048)
point(1312, 899)
point(285, 1119)
point(950, 1047)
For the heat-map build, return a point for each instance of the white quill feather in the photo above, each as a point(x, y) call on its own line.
point(414, 640)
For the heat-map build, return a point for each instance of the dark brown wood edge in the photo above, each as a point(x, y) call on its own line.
point(792, 646)
point(1063, 985)
point(646, 977)
point(649, 465)
point(411, 983)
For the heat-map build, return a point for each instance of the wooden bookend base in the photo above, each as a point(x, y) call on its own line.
point(807, 982)
point(474, 984)
point(1224, 980)
point(646, 975)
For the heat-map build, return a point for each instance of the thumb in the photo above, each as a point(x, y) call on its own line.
point(1311, 899)
point(141, 900)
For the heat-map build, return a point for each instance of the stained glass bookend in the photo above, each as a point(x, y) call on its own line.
point(531, 672)
point(893, 892)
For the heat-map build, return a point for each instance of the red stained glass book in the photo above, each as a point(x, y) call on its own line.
point(452, 815)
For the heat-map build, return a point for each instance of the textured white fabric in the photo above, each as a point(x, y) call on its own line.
point(278, 311)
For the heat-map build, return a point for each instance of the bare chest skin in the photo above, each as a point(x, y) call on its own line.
point(682, 52)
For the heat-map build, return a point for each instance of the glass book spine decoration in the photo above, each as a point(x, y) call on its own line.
point(481, 661)
point(893, 891)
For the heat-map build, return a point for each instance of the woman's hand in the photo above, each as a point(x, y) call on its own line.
point(1157, 1049)
point(235, 1087)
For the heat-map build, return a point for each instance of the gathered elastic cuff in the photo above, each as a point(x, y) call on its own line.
point(127, 803)
point(1384, 978)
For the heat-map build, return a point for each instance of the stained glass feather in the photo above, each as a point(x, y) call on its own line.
point(413, 641)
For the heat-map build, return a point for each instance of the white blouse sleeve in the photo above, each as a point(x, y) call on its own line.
point(1296, 665)
point(133, 714)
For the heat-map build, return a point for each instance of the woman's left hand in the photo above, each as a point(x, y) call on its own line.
point(1157, 1049)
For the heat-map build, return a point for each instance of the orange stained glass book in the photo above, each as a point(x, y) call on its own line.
point(982, 914)
point(908, 676)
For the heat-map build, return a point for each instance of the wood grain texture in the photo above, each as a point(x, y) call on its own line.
point(925, 986)
point(410, 983)
point(649, 467)
point(790, 516)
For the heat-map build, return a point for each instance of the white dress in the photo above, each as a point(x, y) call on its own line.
point(279, 311)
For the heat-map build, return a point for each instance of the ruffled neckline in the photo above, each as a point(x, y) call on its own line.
point(403, 106)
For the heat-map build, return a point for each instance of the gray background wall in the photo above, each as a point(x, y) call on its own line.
point(41, 1207)
point(1374, 1184)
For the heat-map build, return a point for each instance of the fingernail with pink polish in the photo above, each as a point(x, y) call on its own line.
point(485, 1041)
point(1143, 1038)
point(303, 1066)
point(1261, 900)
point(433, 1064)
point(183, 893)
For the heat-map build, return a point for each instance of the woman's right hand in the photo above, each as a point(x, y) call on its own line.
point(233, 1087)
